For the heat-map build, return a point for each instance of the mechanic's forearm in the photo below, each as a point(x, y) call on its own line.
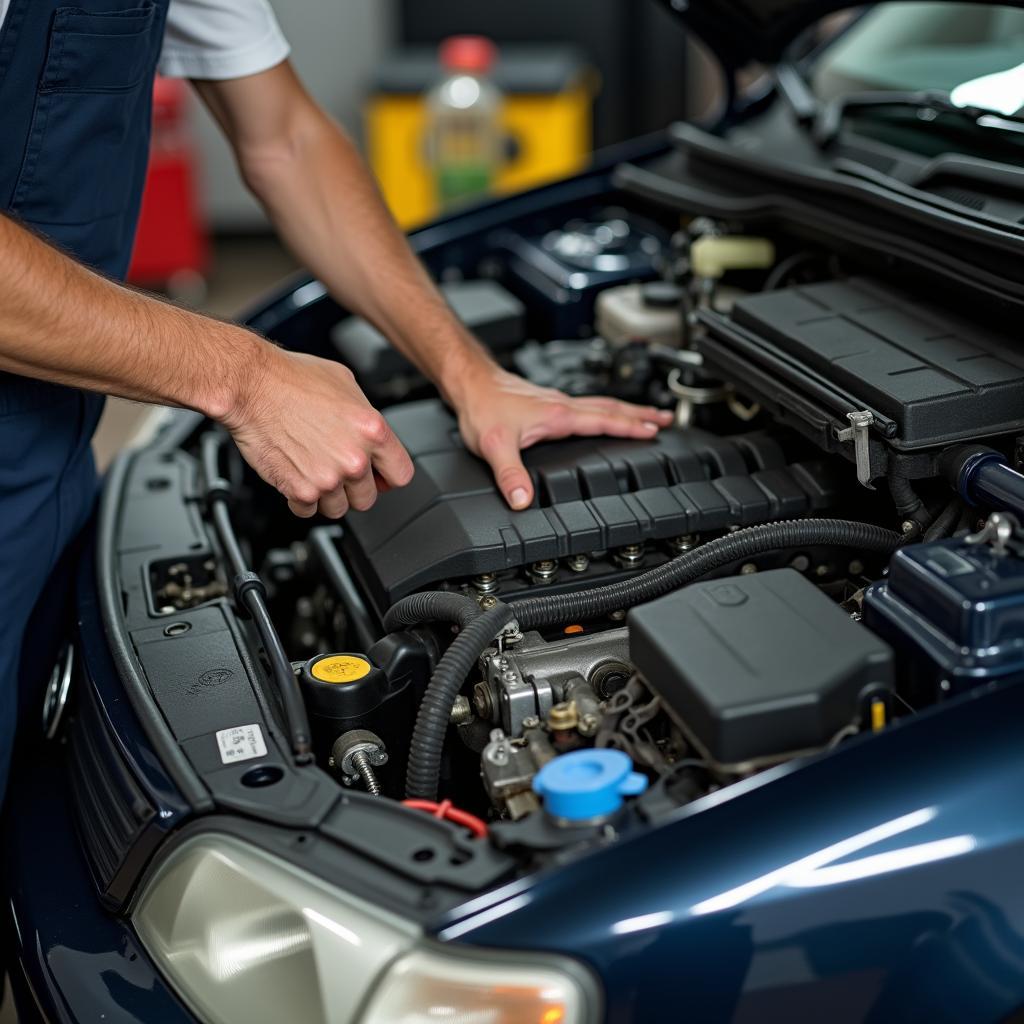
point(61, 322)
point(326, 206)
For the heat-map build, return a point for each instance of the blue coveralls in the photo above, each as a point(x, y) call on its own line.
point(75, 102)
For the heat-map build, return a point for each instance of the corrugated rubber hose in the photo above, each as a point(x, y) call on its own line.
point(431, 606)
point(556, 609)
point(436, 708)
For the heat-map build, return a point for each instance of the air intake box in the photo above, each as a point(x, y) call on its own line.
point(756, 667)
point(816, 353)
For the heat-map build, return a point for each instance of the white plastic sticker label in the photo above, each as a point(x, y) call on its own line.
point(241, 743)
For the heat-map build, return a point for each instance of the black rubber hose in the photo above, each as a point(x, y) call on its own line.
point(945, 521)
point(436, 708)
point(431, 606)
point(556, 609)
point(909, 506)
point(251, 594)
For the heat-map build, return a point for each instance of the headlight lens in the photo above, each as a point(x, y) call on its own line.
point(245, 936)
point(434, 988)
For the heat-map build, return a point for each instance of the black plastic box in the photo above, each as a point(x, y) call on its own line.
point(756, 667)
point(495, 316)
point(929, 375)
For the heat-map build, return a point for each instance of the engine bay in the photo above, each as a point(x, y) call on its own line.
point(781, 572)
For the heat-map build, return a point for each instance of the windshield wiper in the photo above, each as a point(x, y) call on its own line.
point(829, 117)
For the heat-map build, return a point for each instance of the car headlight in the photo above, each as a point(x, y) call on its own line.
point(243, 935)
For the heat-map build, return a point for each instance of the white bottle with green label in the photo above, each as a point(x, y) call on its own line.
point(465, 141)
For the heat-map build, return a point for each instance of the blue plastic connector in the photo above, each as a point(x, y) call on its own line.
point(587, 784)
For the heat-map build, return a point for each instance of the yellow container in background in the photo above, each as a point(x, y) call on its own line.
point(548, 115)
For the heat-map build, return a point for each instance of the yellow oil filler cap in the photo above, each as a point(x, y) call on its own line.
point(339, 668)
point(342, 691)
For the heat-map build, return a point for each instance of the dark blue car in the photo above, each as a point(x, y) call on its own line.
point(727, 726)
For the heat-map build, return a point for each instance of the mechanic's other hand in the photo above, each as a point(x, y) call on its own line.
point(308, 430)
point(501, 413)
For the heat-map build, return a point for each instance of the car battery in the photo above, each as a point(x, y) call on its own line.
point(953, 611)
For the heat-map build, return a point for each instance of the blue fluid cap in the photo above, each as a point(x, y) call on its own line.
point(587, 784)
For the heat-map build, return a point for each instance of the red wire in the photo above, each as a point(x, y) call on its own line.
point(447, 811)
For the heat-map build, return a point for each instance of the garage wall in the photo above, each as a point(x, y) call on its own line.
point(335, 46)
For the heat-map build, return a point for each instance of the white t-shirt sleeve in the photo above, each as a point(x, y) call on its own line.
point(221, 39)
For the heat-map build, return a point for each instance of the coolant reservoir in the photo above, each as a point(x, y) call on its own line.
point(649, 312)
point(465, 140)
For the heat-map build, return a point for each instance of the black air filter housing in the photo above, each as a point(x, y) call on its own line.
point(816, 353)
point(759, 666)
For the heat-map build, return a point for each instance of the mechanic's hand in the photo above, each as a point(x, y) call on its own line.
point(501, 413)
point(309, 431)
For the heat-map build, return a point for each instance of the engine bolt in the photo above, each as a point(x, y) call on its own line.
point(821, 571)
point(630, 556)
point(482, 701)
point(462, 711)
point(362, 765)
point(578, 563)
point(686, 542)
point(543, 571)
point(748, 569)
point(356, 753)
point(618, 615)
point(908, 527)
point(855, 568)
point(486, 583)
point(488, 601)
point(562, 717)
point(801, 563)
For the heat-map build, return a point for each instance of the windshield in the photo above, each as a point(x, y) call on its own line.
point(973, 51)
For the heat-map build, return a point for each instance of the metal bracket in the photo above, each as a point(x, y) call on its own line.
point(999, 531)
point(509, 636)
point(858, 433)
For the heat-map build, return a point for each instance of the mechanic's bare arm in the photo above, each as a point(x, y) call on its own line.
point(323, 201)
point(302, 422)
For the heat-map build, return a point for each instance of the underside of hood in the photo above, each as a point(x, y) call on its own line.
point(741, 31)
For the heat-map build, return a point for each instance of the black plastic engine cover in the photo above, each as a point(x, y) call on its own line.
point(592, 494)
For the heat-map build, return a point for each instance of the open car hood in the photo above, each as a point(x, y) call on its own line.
point(741, 31)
